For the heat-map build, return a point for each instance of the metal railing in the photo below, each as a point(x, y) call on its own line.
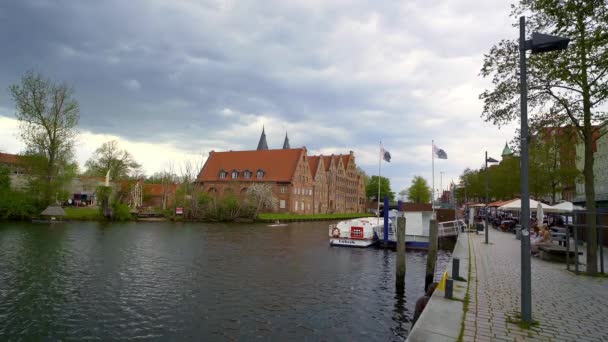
point(451, 228)
point(577, 229)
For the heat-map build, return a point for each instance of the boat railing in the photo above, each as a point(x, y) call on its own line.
point(450, 228)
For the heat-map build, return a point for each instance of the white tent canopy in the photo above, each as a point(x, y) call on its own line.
point(516, 206)
point(567, 207)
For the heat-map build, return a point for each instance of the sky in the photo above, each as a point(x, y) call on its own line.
point(173, 80)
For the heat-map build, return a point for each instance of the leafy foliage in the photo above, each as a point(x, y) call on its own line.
point(565, 87)
point(110, 157)
point(371, 189)
point(48, 117)
point(419, 191)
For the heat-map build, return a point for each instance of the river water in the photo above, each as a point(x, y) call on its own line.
point(193, 281)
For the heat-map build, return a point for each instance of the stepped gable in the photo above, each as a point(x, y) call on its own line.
point(278, 165)
point(313, 162)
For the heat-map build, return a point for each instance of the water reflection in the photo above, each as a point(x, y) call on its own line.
point(199, 282)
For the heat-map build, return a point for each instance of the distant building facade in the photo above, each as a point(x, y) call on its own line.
point(301, 183)
point(600, 169)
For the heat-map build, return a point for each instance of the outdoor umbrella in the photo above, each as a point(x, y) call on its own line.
point(567, 207)
point(539, 215)
point(516, 206)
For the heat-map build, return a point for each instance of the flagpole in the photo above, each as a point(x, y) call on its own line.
point(433, 180)
point(379, 178)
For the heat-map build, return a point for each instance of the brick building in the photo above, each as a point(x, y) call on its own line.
point(301, 183)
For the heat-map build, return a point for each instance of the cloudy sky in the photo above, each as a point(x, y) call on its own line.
point(172, 80)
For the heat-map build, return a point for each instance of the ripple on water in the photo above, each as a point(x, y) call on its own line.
point(87, 281)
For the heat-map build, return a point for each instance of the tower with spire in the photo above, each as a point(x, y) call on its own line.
point(262, 144)
point(286, 142)
point(506, 151)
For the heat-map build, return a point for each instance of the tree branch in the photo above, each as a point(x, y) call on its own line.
point(568, 111)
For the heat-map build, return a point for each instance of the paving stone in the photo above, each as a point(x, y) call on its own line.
point(566, 306)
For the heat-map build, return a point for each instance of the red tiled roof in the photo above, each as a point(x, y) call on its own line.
point(345, 160)
point(7, 158)
point(278, 165)
point(313, 162)
point(327, 161)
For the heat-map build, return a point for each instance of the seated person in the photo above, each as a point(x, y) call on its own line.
point(543, 239)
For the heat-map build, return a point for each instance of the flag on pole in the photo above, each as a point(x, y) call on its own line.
point(439, 153)
point(386, 155)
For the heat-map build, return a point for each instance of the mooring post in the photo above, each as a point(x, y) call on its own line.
point(455, 268)
point(385, 213)
point(431, 257)
point(400, 271)
point(449, 288)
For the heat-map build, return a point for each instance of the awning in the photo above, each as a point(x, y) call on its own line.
point(53, 210)
point(516, 206)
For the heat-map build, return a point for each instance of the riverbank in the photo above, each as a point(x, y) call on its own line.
point(442, 318)
point(93, 214)
point(284, 217)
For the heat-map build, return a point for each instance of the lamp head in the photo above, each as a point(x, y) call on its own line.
point(545, 42)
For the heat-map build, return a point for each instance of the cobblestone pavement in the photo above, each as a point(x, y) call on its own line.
point(566, 306)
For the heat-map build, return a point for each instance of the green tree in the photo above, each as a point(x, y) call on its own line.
point(552, 162)
point(419, 191)
point(365, 176)
point(48, 116)
point(371, 189)
point(5, 179)
point(564, 87)
point(109, 156)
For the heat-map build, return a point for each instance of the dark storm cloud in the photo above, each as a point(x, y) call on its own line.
point(339, 75)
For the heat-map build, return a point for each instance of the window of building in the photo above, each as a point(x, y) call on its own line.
point(223, 174)
point(283, 189)
point(296, 205)
point(247, 174)
point(235, 174)
point(260, 174)
point(282, 204)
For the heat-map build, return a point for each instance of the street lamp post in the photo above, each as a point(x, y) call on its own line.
point(538, 44)
point(488, 160)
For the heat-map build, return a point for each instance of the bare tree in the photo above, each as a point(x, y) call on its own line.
point(48, 117)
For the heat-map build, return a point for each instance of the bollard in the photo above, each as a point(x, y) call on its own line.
point(400, 270)
point(431, 257)
point(455, 268)
point(449, 288)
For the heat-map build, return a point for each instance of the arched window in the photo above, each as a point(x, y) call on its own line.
point(260, 173)
point(235, 174)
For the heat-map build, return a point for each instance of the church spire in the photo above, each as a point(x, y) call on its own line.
point(262, 145)
point(286, 142)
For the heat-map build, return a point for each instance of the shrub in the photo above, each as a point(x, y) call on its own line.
point(121, 212)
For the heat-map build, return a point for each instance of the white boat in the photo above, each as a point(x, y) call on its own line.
point(417, 225)
point(354, 233)
point(417, 229)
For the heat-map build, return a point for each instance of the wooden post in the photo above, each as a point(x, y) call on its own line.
point(431, 257)
point(400, 270)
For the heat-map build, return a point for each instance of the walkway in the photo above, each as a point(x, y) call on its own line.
point(567, 307)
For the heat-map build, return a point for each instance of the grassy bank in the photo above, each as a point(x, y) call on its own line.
point(310, 217)
point(82, 214)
